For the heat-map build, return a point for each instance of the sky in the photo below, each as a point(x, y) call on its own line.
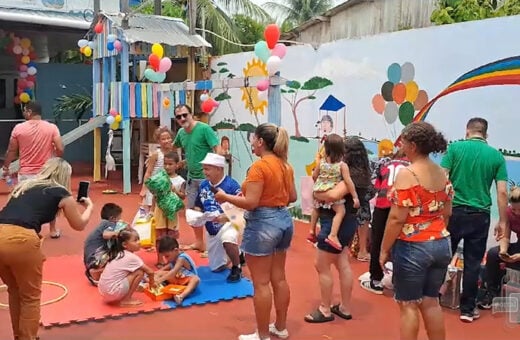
point(259, 2)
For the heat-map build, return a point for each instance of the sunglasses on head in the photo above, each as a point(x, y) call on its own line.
point(182, 115)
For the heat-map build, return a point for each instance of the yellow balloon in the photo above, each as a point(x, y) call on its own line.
point(87, 51)
point(25, 43)
point(118, 119)
point(412, 90)
point(26, 59)
point(24, 98)
point(158, 50)
point(114, 126)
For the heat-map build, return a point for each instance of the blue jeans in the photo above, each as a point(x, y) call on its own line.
point(419, 268)
point(268, 230)
point(346, 232)
point(472, 226)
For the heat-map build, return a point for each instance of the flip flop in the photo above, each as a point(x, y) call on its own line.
point(131, 303)
point(333, 244)
point(178, 299)
point(317, 317)
point(336, 310)
point(56, 235)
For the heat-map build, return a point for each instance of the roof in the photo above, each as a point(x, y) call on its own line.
point(331, 104)
point(325, 17)
point(155, 29)
point(75, 20)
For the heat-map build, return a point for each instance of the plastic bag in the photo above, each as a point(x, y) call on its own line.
point(160, 186)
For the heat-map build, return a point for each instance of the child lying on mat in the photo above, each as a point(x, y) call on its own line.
point(96, 245)
point(179, 270)
point(124, 271)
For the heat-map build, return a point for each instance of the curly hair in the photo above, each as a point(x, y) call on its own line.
point(425, 137)
point(160, 130)
point(356, 157)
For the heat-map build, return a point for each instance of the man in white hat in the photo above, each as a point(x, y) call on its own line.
point(221, 236)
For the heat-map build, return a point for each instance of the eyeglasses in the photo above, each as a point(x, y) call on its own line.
point(182, 115)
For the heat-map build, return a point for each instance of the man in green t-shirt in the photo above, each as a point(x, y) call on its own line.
point(473, 166)
point(197, 139)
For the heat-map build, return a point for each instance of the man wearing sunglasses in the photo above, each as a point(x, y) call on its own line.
point(196, 139)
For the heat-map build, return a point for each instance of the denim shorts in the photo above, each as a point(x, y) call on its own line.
point(419, 268)
point(267, 231)
point(346, 232)
point(192, 189)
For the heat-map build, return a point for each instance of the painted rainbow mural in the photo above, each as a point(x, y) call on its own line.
point(500, 72)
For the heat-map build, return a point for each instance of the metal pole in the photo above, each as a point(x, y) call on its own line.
point(192, 15)
point(124, 6)
point(157, 7)
point(97, 6)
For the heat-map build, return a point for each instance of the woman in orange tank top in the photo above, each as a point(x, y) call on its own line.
point(416, 232)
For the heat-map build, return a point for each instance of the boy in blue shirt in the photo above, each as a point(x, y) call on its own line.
point(221, 236)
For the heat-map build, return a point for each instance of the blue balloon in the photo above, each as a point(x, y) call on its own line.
point(394, 73)
point(31, 64)
point(262, 51)
point(110, 47)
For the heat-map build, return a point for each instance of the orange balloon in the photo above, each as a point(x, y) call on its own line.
point(399, 93)
point(378, 103)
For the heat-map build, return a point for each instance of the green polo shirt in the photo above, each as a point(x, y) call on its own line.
point(473, 166)
point(196, 145)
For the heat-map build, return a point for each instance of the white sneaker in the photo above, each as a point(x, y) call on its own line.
point(283, 334)
point(252, 336)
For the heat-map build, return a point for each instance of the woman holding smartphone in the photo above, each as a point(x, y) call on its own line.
point(32, 203)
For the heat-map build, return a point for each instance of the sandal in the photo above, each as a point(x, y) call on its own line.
point(178, 299)
point(364, 258)
point(317, 317)
point(336, 310)
point(56, 235)
point(333, 244)
point(312, 238)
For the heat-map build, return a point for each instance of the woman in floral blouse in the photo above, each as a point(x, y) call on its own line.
point(416, 232)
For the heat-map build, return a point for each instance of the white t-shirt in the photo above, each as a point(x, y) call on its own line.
point(177, 182)
point(116, 271)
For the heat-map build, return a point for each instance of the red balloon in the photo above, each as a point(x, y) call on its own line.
point(154, 61)
point(98, 28)
point(271, 35)
point(207, 106)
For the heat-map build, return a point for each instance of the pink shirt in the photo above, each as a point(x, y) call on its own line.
point(514, 221)
point(116, 271)
point(35, 144)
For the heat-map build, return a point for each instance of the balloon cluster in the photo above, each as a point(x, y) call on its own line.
point(113, 119)
point(25, 57)
point(400, 96)
point(158, 65)
point(271, 52)
point(207, 104)
point(86, 47)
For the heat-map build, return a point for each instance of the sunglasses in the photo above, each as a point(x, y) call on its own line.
point(182, 115)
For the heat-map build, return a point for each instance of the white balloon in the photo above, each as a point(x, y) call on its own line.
point(111, 38)
point(273, 65)
point(91, 44)
point(82, 43)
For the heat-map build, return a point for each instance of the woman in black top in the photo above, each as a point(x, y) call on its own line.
point(32, 203)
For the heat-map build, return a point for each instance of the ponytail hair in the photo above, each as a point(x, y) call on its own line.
point(116, 248)
point(426, 138)
point(276, 139)
point(514, 194)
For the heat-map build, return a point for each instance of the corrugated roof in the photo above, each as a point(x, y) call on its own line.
point(156, 29)
point(76, 20)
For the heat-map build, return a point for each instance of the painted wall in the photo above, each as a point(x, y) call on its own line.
point(382, 80)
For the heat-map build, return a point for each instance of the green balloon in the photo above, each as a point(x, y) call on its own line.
point(406, 112)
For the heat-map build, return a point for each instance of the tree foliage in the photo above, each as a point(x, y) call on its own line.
point(452, 11)
point(249, 31)
point(294, 12)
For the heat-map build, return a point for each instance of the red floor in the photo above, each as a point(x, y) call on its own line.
point(375, 317)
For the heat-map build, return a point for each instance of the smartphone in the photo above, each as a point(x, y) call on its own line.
point(213, 189)
point(83, 190)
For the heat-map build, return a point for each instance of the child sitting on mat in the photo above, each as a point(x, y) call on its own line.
point(96, 246)
point(124, 271)
point(180, 270)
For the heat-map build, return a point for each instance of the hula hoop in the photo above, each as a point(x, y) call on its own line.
point(50, 283)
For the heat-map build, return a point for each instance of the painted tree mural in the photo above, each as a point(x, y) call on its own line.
point(293, 89)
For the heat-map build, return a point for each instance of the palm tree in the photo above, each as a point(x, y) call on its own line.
point(295, 12)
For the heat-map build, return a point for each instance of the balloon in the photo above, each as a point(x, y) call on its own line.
point(165, 64)
point(166, 102)
point(24, 74)
point(22, 83)
point(98, 28)
point(29, 84)
point(25, 43)
point(394, 73)
point(25, 98)
point(273, 65)
point(25, 60)
point(279, 50)
point(399, 93)
point(407, 72)
point(262, 51)
point(154, 61)
point(82, 43)
point(118, 118)
point(111, 38)
point(17, 100)
point(159, 77)
point(386, 91)
point(421, 101)
point(412, 90)
point(262, 95)
point(114, 126)
point(207, 106)
point(406, 111)
point(110, 119)
point(110, 46)
point(204, 97)
point(262, 85)
point(32, 71)
point(391, 112)
point(158, 50)
point(17, 49)
point(149, 73)
point(378, 103)
point(25, 51)
point(113, 112)
point(91, 44)
point(23, 68)
point(87, 51)
point(118, 46)
point(214, 102)
point(271, 35)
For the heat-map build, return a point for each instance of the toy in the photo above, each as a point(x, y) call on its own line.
point(161, 187)
point(161, 293)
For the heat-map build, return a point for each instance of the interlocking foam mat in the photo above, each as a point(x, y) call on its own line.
point(84, 304)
